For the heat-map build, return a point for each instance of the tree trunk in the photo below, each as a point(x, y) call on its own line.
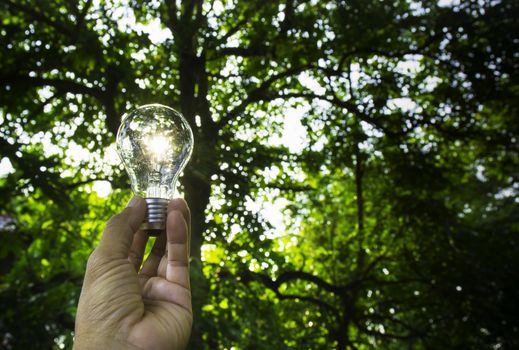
point(196, 182)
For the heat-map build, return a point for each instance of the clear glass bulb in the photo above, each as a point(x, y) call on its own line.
point(154, 143)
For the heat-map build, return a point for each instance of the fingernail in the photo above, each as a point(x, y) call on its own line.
point(133, 202)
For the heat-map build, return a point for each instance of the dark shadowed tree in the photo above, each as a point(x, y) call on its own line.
point(403, 199)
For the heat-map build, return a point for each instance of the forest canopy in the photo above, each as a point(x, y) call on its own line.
point(354, 181)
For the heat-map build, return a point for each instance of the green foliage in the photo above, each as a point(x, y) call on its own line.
point(399, 209)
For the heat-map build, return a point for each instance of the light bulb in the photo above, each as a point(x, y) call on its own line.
point(154, 143)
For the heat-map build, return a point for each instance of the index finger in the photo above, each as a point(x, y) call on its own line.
point(119, 230)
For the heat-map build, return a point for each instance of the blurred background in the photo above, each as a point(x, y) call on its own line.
point(354, 183)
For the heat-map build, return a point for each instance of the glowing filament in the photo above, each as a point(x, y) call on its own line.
point(158, 145)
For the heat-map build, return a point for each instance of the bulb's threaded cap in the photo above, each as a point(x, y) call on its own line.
point(155, 220)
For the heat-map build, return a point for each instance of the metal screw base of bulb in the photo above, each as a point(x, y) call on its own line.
point(155, 221)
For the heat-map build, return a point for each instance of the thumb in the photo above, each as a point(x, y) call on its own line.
point(119, 230)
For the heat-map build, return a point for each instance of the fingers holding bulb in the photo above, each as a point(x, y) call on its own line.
point(119, 230)
point(177, 270)
point(179, 204)
point(169, 257)
point(136, 254)
point(174, 263)
point(151, 265)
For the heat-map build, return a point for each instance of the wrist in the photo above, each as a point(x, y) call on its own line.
point(95, 342)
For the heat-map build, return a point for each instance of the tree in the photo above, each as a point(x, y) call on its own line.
point(396, 95)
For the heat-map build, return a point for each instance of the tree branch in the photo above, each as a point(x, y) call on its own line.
point(348, 105)
point(105, 98)
point(42, 18)
point(274, 286)
point(378, 317)
point(188, 10)
point(172, 19)
point(242, 51)
point(61, 85)
point(293, 188)
point(82, 15)
point(260, 94)
point(288, 276)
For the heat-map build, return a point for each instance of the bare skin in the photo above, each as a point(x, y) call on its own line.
point(124, 305)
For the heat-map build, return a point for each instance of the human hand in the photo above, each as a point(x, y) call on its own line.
point(124, 306)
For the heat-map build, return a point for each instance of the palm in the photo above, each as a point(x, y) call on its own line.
point(167, 313)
